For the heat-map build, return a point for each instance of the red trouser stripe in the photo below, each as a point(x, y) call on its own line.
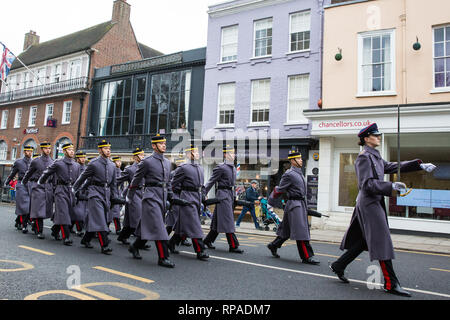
point(115, 223)
point(160, 249)
point(37, 224)
point(100, 239)
point(305, 252)
point(78, 226)
point(62, 232)
point(196, 245)
point(386, 275)
point(230, 235)
point(21, 220)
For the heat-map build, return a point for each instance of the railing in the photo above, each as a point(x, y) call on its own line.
point(47, 89)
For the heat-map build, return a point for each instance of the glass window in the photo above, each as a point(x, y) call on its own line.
point(67, 111)
point(4, 123)
point(229, 43)
point(377, 62)
point(56, 73)
point(48, 113)
point(3, 150)
point(227, 100)
point(18, 117)
point(13, 153)
point(263, 37)
point(260, 100)
point(348, 182)
point(300, 31)
point(442, 57)
point(298, 97)
point(32, 118)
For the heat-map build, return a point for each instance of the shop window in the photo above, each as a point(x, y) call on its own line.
point(348, 182)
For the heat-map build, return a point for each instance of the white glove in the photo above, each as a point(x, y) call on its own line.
point(73, 190)
point(127, 199)
point(399, 186)
point(428, 167)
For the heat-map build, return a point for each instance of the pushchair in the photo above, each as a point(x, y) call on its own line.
point(268, 216)
point(205, 214)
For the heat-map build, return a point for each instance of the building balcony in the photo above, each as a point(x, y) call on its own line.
point(50, 89)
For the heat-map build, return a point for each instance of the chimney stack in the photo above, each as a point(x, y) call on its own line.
point(121, 11)
point(31, 39)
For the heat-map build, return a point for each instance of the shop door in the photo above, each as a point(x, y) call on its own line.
point(346, 183)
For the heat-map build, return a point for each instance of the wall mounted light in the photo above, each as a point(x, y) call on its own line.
point(417, 46)
point(338, 56)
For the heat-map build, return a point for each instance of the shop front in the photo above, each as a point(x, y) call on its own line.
point(425, 135)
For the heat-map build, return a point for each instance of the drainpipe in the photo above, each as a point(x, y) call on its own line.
point(404, 78)
point(89, 52)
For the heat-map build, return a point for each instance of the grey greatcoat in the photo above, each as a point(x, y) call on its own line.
point(80, 208)
point(115, 211)
point(173, 213)
point(41, 206)
point(369, 217)
point(66, 171)
point(187, 177)
point(20, 167)
point(101, 189)
point(225, 176)
point(132, 210)
point(295, 219)
point(155, 169)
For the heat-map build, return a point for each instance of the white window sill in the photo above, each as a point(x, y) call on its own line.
point(226, 62)
point(376, 94)
point(63, 123)
point(261, 57)
point(222, 126)
point(440, 90)
point(259, 124)
point(17, 127)
point(3, 128)
point(299, 51)
point(295, 123)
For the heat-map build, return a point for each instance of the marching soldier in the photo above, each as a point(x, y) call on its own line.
point(102, 192)
point(20, 167)
point(223, 218)
point(369, 229)
point(41, 195)
point(79, 212)
point(187, 184)
point(155, 169)
point(66, 171)
point(115, 211)
point(133, 209)
point(295, 220)
point(173, 212)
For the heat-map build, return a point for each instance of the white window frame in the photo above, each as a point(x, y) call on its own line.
point(303, 119)
point(31, 118)
point(220, 85)
point(25, 80)
point(65, 113)
point(254, 39)
point(251, 101)
point(290, 30)
point(445, 88)
point(361, 37)
point(74, 65)
point(222, 45)
point(4, 124)
point(47, 113)
point(12, 84)
point(56, 76)
point(3, 152)
point(14, 153)
point(17, 118)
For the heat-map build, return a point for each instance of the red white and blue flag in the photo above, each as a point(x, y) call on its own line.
point(7, 59)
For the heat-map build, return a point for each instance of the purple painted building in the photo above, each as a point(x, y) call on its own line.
point(263, 68)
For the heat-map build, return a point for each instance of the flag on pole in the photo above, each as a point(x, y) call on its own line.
point(7, 59)
point(238, 170)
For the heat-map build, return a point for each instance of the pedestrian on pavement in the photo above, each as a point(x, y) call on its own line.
point(251, 195)
point(224, 175)
point(187, 184)
point(102, 192)
point(23, 192)
point(115, 211)
point(12, 189)
point(133, 209)
point(155, 171)
point(41, 195)
point(80, 208)
point(369, 229)
point(295, 219)
point(66, 172)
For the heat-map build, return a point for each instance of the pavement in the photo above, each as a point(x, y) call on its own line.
point(401, 242)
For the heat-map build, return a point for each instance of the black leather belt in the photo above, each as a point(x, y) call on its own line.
point(63, 183)
point(156, 184)
point(99, 184)
point(296, 198)
point(224, 187)
point(193, 189)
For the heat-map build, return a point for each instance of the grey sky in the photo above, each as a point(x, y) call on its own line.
point(165, 25)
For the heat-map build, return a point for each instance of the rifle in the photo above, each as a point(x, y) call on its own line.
point(314, 213)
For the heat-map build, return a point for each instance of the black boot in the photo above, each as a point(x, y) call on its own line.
point(208, 244)
point(202, 256)
point(67, 242)
point(171, 246)
point(24, 230)
point(166, 263)
point(273, 250)
point(106, 250)
point(236, 250)
point(135, 252)
point(311, 260)
point(87, 244)
point(339, 273)
point(186, 243)
point(55, 234)
point(40, 235)
point(398, 290)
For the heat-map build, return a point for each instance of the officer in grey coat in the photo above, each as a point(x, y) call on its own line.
point(115, 211)
point(133, 209)
point(173, 212)
point(155, 171)
point(369, 229)
point(187, 184)
point(66, 172)
point(102, 192)
point(41, 206)
point(224, 175)
point(20, 167)
point(295, 219)
point(80, 208)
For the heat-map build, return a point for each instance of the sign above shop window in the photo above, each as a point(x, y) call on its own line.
point(148, 63)
point(31, 131)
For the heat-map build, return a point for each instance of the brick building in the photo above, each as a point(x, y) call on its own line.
point(51, 102)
